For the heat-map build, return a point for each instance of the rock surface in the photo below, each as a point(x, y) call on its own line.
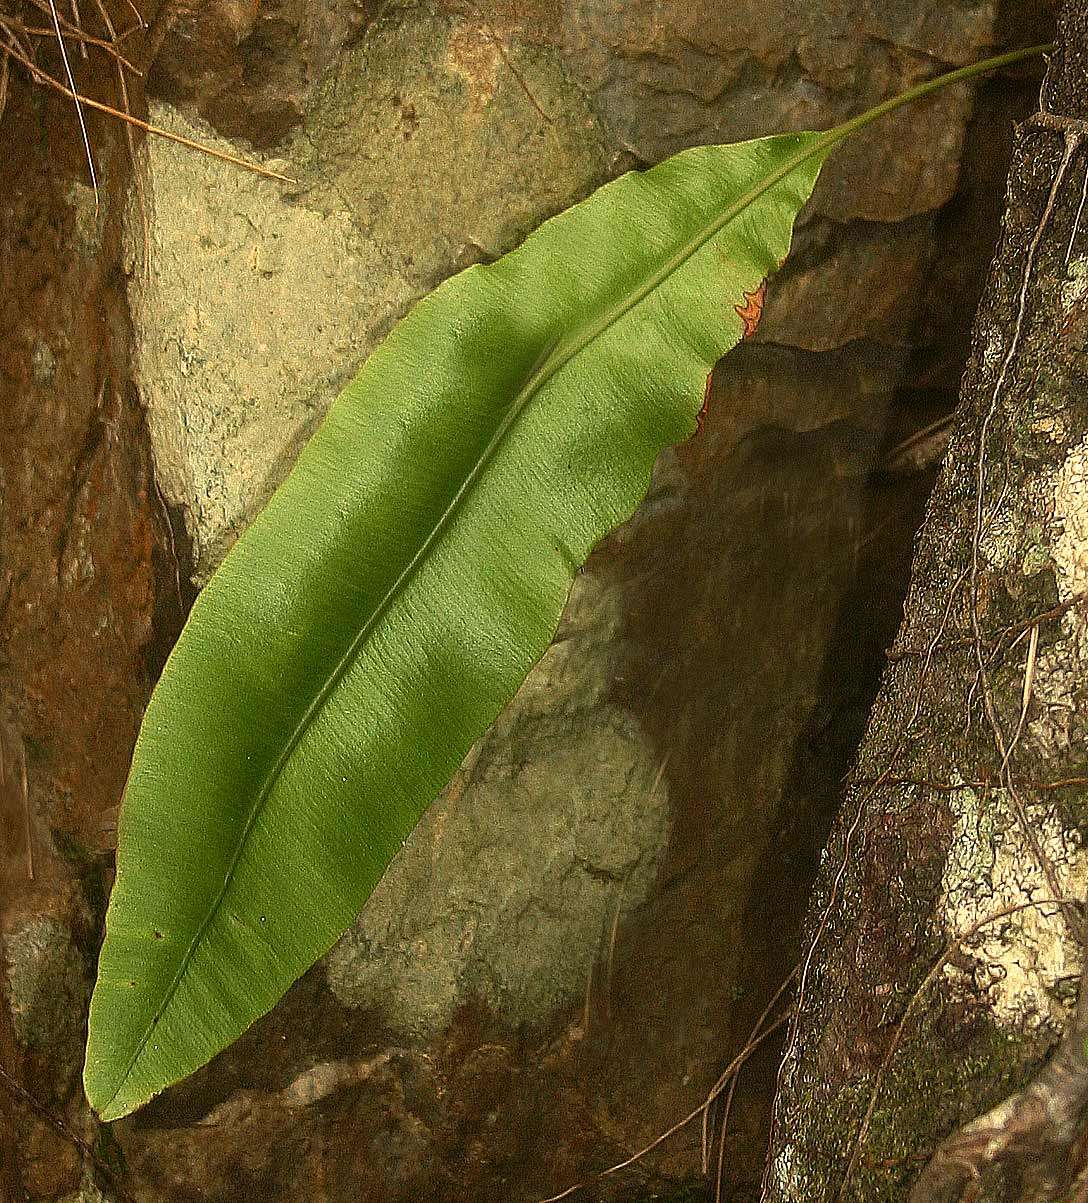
point(551, 835)
point(419, 154)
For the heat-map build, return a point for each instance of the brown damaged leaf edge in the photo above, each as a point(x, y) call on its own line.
point(750, 313)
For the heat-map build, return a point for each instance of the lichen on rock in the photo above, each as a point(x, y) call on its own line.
point(508, 889)
point(1071, 517)
point(48, 988)
point(262, 299)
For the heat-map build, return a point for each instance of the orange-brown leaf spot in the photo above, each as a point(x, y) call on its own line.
point(752, 309)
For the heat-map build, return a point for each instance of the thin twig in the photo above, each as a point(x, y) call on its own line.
point(754, 1036)
point(130, 143)
point(77, 35)
point(719, 1085)
point(172, 546)
point(13, 41)
point(77, 21)
point(509, 63)
point(1071, 143)
point(737, 1061)
point(1076, 220)
point(952, 787)
point(1036, 1111)
point(840, 873)
point(5, 64)
point(43, 7)
point(1025, 700)
point(76, 98)
point(58, 1125)
point(938, 426)
point(721, 1137)
point(41, 77)
point(994, 638)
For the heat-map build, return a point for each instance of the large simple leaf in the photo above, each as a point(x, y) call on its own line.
point(398, 587)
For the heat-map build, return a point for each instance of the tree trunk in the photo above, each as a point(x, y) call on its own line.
point(939, 1042)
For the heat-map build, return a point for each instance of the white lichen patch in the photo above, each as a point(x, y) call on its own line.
point(1010, 540)
point(242, 289)
point(1059, 680)
point(788, 1179)
point(509, 889)
point(1071, 521)
point(1036, 559)
point(1000, 540)
point(1051, 726)
point(1050, 426)
point(993, 346)
point(420, 153)
point(791, 1177)
point(1075, 288)
point(1024, 964)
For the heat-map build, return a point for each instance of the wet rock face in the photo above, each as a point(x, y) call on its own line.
point(83, 547)
point(583, 927)
point(672, 74)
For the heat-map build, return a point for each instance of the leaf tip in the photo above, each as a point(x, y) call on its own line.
point(108, 1101)
point(109, 1095)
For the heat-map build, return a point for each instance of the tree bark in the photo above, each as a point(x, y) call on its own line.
point(937, 1053)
